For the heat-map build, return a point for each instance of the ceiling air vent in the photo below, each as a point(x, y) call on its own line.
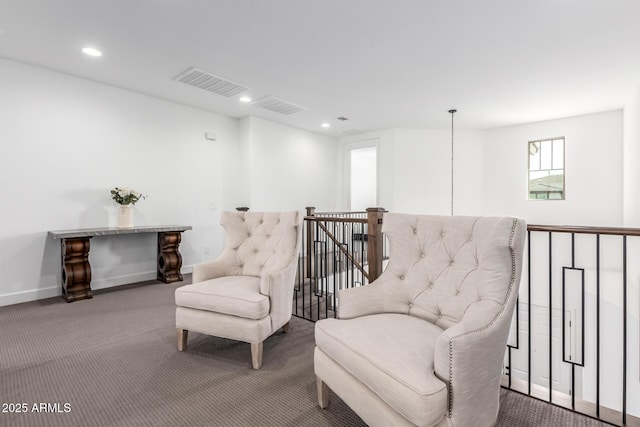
point(205, 80)
point(278, 105)
point(351, 132)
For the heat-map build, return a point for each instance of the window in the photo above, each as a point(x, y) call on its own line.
point(546, 169)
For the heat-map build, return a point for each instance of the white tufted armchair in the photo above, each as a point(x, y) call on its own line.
point(246, 293)
point(424, 343)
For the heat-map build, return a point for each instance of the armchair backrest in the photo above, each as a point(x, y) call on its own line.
point(260, 242)
point(440, 265)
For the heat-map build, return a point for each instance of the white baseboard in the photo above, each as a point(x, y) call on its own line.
point(29, 295)
point(54, 291)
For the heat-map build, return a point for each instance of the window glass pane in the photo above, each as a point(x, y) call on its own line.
point(534, 156)
point(555, 196)
point(545, 154)
point(558, 154)
point(538, 174)
point(556, 182)
point(546, 169)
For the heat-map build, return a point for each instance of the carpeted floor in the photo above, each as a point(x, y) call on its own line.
point(112, 361)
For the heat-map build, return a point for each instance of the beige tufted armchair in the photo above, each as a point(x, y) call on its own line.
point(424, 343)
point(246, 293)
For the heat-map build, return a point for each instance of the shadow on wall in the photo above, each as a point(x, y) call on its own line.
point(92, 207)
point(24, 253)
point(98, 209)
point(50, 272)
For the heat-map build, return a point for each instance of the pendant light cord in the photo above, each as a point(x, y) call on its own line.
point(452, 112)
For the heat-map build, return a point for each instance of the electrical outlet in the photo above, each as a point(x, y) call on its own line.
point(206, 250)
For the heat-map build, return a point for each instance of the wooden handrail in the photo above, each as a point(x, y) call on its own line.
point(616, 231)
point(335, 219)
point(374, 237)
point(342, 213)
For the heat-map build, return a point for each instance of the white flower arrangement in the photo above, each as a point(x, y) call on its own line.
point(126, 196)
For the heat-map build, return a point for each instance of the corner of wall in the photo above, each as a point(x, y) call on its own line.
point(631, 159)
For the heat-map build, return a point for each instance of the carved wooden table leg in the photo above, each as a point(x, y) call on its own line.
point(169, 258)
point(76, 271)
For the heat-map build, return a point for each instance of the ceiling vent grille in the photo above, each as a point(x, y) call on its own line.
point(205, 80)
point(351, 132)
point(278, 105)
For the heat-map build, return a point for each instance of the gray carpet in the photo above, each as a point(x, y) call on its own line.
point(113, 361)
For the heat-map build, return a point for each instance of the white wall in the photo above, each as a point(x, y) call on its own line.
point(415, 170)
point(631, 218)
point(290, 169)
point(422, 171)
point(235, 169)
point(67, 141)
point(632, 160)
point(491, 170)
point(593, 171)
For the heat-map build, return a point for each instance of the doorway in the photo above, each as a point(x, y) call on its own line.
point(362, 175)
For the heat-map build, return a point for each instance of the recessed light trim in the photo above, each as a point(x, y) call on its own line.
point(91, 51)
point(245, 99)
point(326, 125)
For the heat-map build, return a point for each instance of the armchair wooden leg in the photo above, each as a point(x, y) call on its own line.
point(182, 339)
point(323, 393)
point(256, 355)
point(285, 328)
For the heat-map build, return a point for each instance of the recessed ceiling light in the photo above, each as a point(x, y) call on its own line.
point(91, 51)
point(326, 125)
point(245, 99)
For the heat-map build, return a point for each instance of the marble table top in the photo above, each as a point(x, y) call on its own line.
point(107, 231)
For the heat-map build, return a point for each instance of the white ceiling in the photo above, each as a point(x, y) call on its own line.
point(381, 63)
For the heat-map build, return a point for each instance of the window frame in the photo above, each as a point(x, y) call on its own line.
point(564, 169)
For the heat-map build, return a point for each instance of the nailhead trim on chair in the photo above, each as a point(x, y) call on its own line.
point(497, 316)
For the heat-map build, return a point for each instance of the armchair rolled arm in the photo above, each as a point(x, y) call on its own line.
point(361, 301)
point(468, 357)
point(278, 286)
point(210, 270)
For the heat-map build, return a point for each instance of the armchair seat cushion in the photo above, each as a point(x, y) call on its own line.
point(233, 295)
point(392, 354)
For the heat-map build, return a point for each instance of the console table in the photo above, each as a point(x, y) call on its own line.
point(76, 271)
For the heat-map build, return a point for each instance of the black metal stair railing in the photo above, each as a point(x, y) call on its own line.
point(340, 250)
point(576, 312)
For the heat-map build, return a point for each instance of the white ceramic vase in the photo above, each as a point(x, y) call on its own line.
point(125, 216)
